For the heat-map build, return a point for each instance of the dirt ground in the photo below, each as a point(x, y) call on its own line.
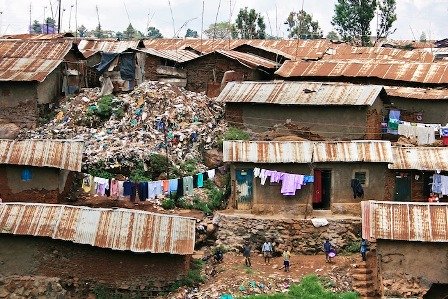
point(233, 277)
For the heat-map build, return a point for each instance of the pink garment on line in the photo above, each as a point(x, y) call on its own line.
point(114, 187)
point(291, 183)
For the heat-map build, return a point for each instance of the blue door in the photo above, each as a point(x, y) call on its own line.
point(244, 188)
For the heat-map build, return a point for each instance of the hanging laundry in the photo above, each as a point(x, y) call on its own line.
point(291, 183)
point(444, 185)
point(173, 185)
point(394, 119)
point(101, 185)
point(87, 183)
point(143, 191)
point(275, 176)
point(200, 182)
point(120, 190)
point(114, 188)
point(188, 185)
point(127, 188)
point(308, 179)
point(436, 186)
point(211, 174)
point(180, 188)
point(166, 186)
point(195, 181)
point(423, 134)
point(257, 172)
point(134, 188)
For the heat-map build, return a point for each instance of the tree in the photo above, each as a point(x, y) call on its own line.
point(119, 35)
point(98, 32)
point(36, 27)
point(49, 26)
point(301, 25)
point(333, 35)
point(221, 30)
point(352, 20)
point(423, 37)
point(387, 18)
point(130, 32)
point(82, 31)
point(250, 24)
point(153, 32)
point(191, 33)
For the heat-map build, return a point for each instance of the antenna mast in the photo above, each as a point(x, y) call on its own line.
point(172, 17)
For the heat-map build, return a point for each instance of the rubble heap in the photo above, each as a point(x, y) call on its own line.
point(148, 120)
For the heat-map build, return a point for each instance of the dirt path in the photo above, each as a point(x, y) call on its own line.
point(233, 277)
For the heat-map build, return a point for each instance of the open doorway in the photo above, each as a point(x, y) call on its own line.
point(322, 189)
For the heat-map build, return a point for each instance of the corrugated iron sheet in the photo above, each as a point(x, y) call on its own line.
point(268, 151)
point(249, 60)
point(353, 151)
point(436, 73)
point(30, 60)
point(424, 222)
point(62, 154)
point(406, 44)
point(118, 229)
point(300, 93)
point(108, 46)
point(38, 36)
point(347, 52)
point(420, 158)
point(417, 93)
point(173, 55)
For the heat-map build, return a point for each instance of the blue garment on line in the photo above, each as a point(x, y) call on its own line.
point(173, 185)
point(200, 180)
point(436, 183)
point(127, 188)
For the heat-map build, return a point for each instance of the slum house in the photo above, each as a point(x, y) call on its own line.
point(205, 73)
point(33, 74)
point(94, 48)
point(412, 173)
point(411, 247)
point(38, 170)
point(312, 110)
point(118, 249)
point(163, 65)
point(333, 173)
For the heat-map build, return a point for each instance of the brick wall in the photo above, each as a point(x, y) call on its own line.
point(373, 125)
point(151, 64)
point(200, 71)
point(38, 256)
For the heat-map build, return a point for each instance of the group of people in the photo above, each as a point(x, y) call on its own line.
point(267, 251)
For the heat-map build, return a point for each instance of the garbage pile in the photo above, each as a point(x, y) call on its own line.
point(154, 118)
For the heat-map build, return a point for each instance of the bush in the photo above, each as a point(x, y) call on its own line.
point(98, 170)
point(189, 167)
point(157, 164)
point(352, 247)
point(310, 287)
point(193, 277)
point(236, 134)
point(168, 204)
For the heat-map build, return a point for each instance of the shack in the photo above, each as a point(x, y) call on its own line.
point(331, 168)
point(34, 74)
point(38, 170)
point(319, 109)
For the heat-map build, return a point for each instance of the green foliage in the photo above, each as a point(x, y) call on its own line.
point(168, 204)
point(157, 164)
point(102, 292)
point(153, 32)
point(99, 170)
point(352, 20)
point(221, 30)
point(191, 33)
point(310, 287)
point(387, 17)
point(352, 247)
point(138, 173)
point(236, 134)
point(216, 196)
point(189, 167)
point(193, 277)
point(250, 24)
point(301, 24)
point(333, 35)
point(36, 27)
point(198, 204)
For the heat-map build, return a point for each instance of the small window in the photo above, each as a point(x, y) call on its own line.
point(363, 177)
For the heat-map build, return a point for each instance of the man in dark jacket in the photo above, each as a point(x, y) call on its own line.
point(358, 191)
point(246, 254)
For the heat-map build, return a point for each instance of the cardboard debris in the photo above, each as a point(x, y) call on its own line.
point(140, 124)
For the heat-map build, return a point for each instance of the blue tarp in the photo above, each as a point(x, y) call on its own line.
point(106, 60)
point(127, 66)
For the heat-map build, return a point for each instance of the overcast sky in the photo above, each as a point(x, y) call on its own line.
point(414, 16)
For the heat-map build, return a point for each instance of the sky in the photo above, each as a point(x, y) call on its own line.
point(413, 16)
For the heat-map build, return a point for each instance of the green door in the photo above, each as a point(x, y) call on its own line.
point(244, 186)
point(402, 187)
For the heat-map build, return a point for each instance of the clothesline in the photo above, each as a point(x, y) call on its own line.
point(151, 190)
point(290, 182)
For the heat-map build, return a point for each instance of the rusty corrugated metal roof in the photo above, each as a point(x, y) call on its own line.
point(30, 60)
point(62, 154)
point(109, 46)
point(407, 44)
point(436, 73)
point(250, 60)
point(118, 229)
point(347, 52)
point(353, 151)
point(173, 55)
point(300, 93)
point(268, 151)
point(39, 36)
point(417, 93)
point(420, 158)
point(424, 222)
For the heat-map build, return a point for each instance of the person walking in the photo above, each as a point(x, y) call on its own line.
point(246, 254)
point(327, 250)
point(286, 256)
point(363, 250)
point(266, 249)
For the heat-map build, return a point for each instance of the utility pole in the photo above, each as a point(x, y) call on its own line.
point(43, 22)
point(70, 19)
point(59, 17)
point(30, 20)
point(1, 22)
point(76, 19)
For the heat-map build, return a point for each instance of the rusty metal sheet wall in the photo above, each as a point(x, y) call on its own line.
point(353, 151)
point(268, 151)
point(62, 154)
point(30, 60)
point(435, 73)
point(425, 222)
point(300, 93)
point(420, 158)
point(119, 229)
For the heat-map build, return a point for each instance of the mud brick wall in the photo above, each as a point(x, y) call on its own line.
point(87, 265)
point(373, 130)
point(151, 64)
point(18, 103)
point(200, 71)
